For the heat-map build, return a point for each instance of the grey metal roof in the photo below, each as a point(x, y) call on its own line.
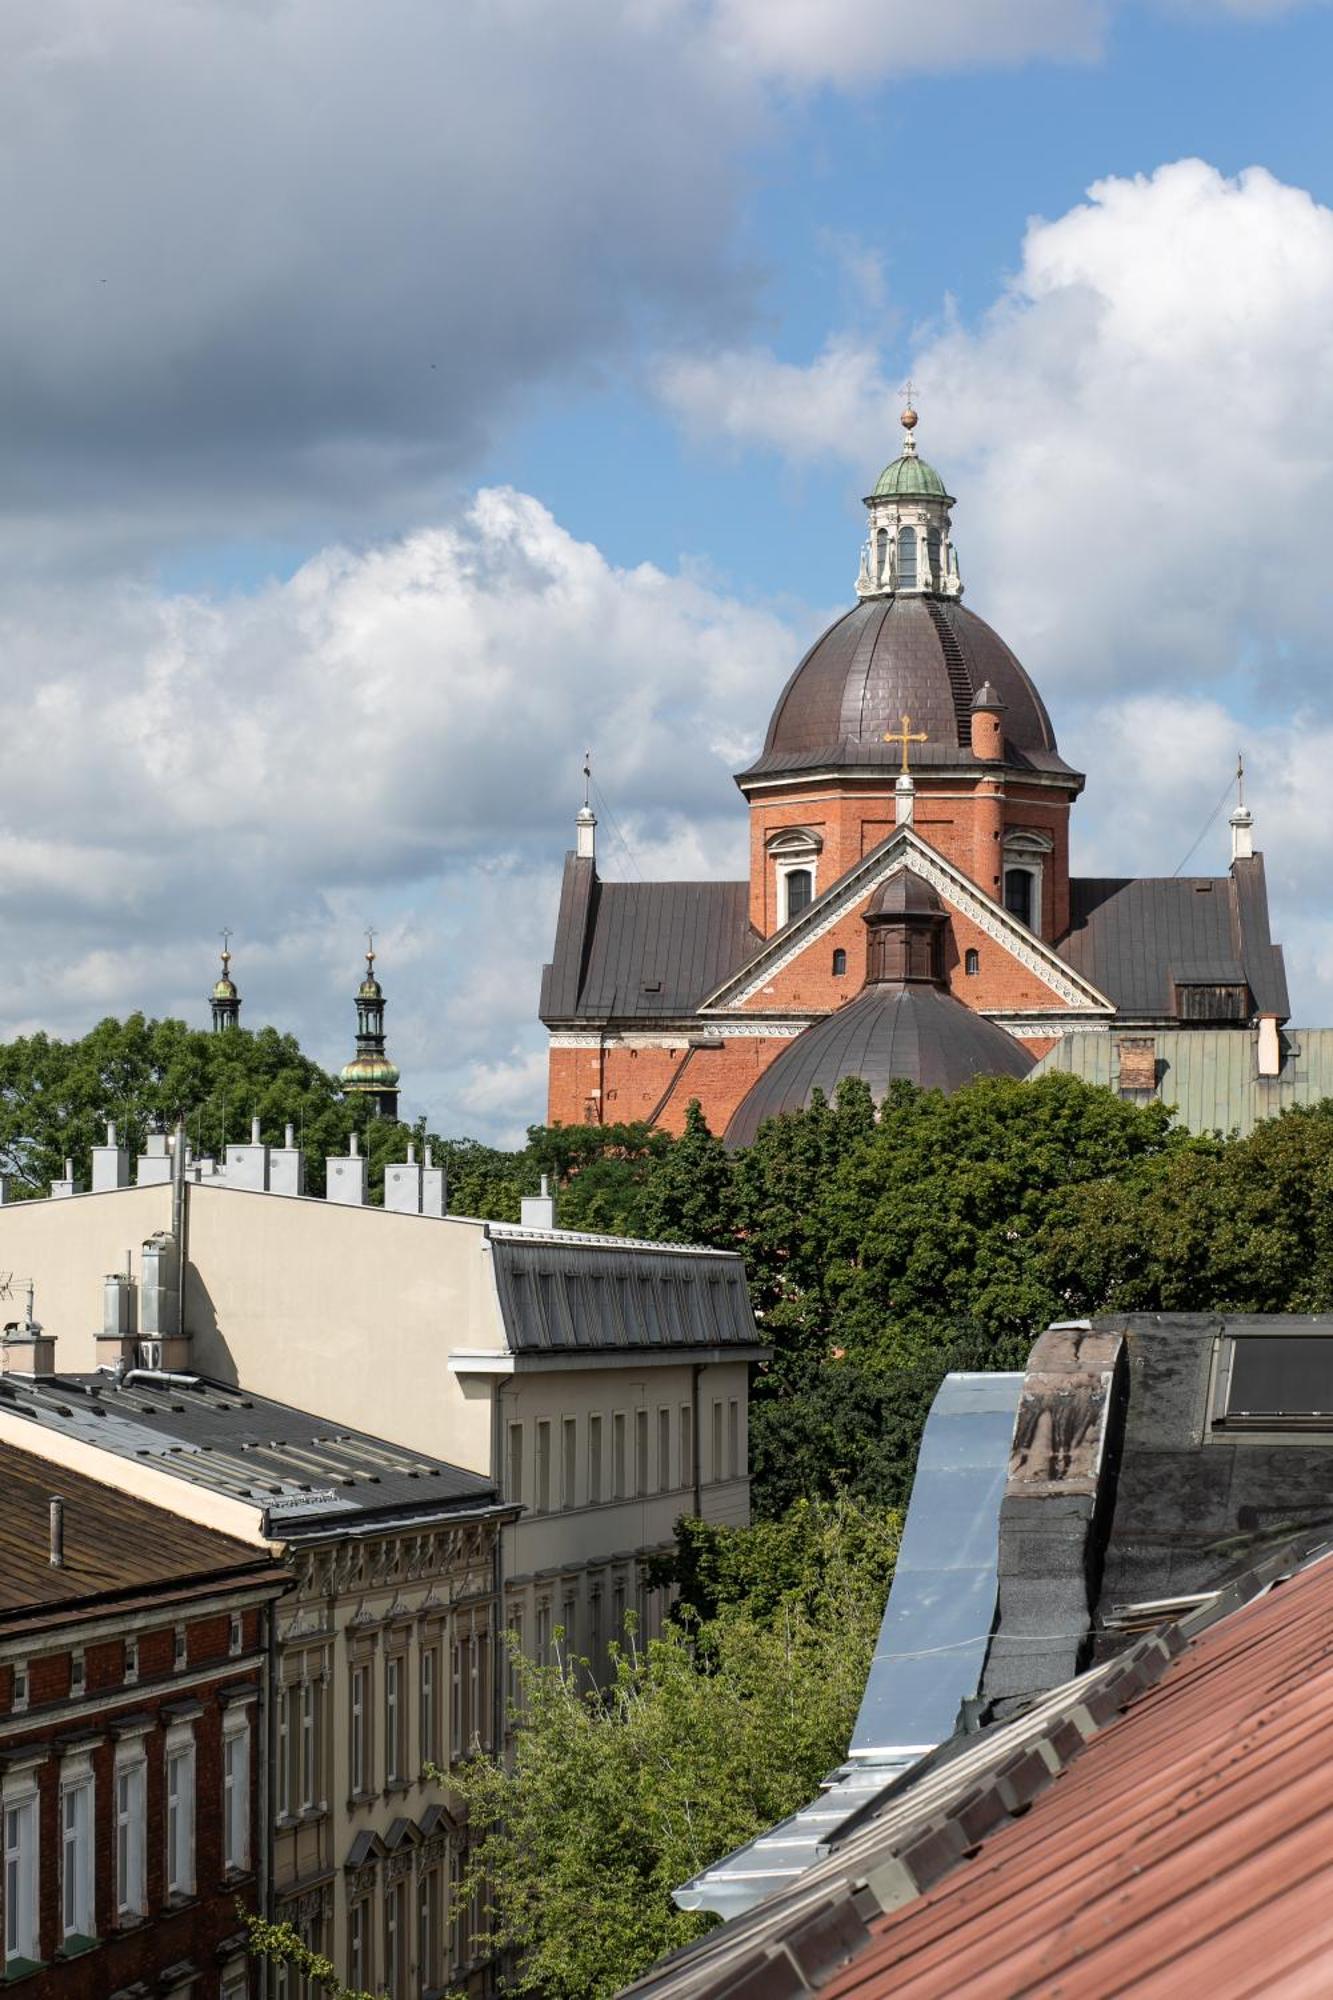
point(917, 1032)
point(931, 1647)
point(1210, 1075)
point(923, 656)
point(1131, 938)
point(563, 1297)
point(642, 950)
point(305, 1471)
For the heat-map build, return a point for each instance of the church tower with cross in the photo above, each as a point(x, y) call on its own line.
point(909, 742)
point(370, 1074)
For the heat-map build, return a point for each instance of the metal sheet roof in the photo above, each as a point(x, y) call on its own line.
point(1209, 1074)
point(560, 1297)
point(649, 950)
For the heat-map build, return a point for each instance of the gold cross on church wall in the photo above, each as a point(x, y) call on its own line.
point(905, 735)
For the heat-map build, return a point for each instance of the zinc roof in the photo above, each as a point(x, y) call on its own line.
point(1209, 1074)
point(649, 950)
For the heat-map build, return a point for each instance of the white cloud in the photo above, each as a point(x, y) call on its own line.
point(392, 736)
point(854, 43)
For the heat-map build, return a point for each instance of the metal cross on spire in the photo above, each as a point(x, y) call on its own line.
point(370, 946)
point(1240, 777)
point(587, 776)
point(226, 937)
point(906, 735)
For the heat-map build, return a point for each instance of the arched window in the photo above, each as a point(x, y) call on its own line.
point(839, 962)
point(907, 558)
point(800, 891)
point(972, 964)
point(933, 555)
point(882, 554)
point(1018, 894)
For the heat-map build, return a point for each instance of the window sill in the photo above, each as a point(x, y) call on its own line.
point(76, 1945)
point(22, 1968)
point(180, 1899)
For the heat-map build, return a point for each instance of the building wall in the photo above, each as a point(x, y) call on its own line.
point(126, 1707)
point(641, 1071)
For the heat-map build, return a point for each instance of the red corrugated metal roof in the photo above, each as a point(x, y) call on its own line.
point(1188, 1849)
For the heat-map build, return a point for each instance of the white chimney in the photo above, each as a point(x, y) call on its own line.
point(904, 801)
point(1242, 834)
point(286, 1166)
point(585, 833)
point(434, 1187)
point(111, 1164)
point(346, 1179)
point(538, 1210)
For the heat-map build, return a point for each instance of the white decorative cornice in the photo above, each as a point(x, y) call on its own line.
point(906, 849)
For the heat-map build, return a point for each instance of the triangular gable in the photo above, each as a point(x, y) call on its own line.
point(904, 848)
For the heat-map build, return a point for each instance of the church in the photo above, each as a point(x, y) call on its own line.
point(909, 911)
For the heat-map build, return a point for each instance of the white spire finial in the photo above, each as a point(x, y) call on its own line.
point(585, 820)
point(1242, 819)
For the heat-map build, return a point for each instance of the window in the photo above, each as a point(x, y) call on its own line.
point(182, 1651)
point(717, 1441)
point(543, 1500)
point(474, 1673)
point(972, 964)
point(907, 558)
point(839, 963)
point(934, 550)
point(618, 1456)
point(595, 1625)
point(733, 1439)
point(881, 553)
point(664, 1451)
point(19, 1698)
point(395, 1942)
point(131, 1818)
point(430, 1685)
point(428, 1930)
point(569, 1440)
point(1275, 1382)
point(798, 892)
point(594, 1461)
point(394, 1758)
point(515, 1649)
point(180, 1815)
point(20, 1806)
point(131, 1662)
point(358, 1946)
point(456, 1728)
point(283, 1773)
point(640, 1451)
point(235, 1635)
point(78, 1674)
point(236, 1789)
point(686, 1445)
point(516, 1462)
point(618, 1610)
point(76, 1850)
point(543, 1633)
point(1018, 894)
point(359, 1749)
point(309, 1748)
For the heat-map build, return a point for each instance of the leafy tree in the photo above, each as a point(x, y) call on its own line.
point(690, 1197)
point(801, 1561)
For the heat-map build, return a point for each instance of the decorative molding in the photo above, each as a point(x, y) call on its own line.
point(565, 1041)
point(1042, 1031)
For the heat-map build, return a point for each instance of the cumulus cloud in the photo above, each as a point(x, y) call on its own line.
point(392, 736)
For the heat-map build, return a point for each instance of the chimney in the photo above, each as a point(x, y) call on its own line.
point(286, 1166)
point(111, 1164)
point(538, 1210)
point(57, 1533)
point(62, 1188)
point(155, 1159)
point(346, 1182)
point(116, 1341)
point(402, 1185)
point(248, 1166)
point(26, 1348)
point(988, 725)
point(434, 1187)
point(1242, 834)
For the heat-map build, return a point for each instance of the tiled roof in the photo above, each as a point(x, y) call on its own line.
point(116, 1547)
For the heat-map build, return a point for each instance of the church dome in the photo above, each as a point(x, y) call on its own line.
point(908, 478)
point(369, 1072)
point(916, 1032)
point(917, 655)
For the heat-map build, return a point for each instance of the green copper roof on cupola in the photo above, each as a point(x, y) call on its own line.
point(909, 477)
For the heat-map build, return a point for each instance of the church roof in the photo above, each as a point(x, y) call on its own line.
point(916, 1033)
point(918, 655)
point(909, 477)
point(1138, 941)
point(649, 950)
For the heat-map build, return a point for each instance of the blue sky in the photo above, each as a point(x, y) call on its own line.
point(394, 406)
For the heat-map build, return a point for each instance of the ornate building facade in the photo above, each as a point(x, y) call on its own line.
point(908, 742)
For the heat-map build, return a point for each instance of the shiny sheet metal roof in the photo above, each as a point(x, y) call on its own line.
point(1210, 1075)
point(562, 1295)
point(305, 1472)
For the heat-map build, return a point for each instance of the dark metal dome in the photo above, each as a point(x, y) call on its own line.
point(918, 1032)
point(922, 656)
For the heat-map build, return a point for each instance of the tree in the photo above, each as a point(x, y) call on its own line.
point(690, 1197)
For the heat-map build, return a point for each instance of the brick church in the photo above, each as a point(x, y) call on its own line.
point(909, 910)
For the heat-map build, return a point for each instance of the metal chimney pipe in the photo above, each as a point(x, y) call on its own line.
point(289, 1136)
point(254, 1131)
point(57, 1533)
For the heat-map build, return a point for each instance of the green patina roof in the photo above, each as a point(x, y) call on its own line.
point(909, 477)
point(368, 1073)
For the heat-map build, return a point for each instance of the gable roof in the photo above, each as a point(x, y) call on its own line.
point(641, 950)
point(1136, 938)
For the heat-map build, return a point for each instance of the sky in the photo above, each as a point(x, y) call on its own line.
point(398, 402)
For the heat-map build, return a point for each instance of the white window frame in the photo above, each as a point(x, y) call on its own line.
point(716, 1467)
point(1026, 853)
point(284, 1755)
point(78, 1673)
point(20, 1804)
point(78, 1811)
point(428, 1696)
point(21, 1688)
point(359, 1682)
point(308, 1753)
point(664, 1447)
point(178, 1771)
point(131, 1673)
point(790, 865)
point(394, 1757)
point(236, 1738)
point(541, 1495)
point(130, 1810)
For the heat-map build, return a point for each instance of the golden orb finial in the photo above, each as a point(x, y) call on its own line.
point(909, 418)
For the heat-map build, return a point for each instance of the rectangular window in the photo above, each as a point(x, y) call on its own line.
point(358, 1954)
point(594, 1461)
point(717, 1441)
point(309, 1748)
point(180, 1818)
point(640, 1451)
point(686, 1445)
point(131, 1817)
point(235, 1635)
point(456, 1698)
point(430, 1687)
point(569, 1619)
point(428, 1930)
point(618, 1611)
point(733, 1439)
point(543, 1634)
point(543, 1499)
point(182, 1650)
point(1276, 1381)
point(618, 1457)
point(236, 1789)
point(19, 1698)
point(21, 1873)
point(284, 1770)
point(569, 1441)
point(76, 1855)
point(358, 1748)
point(664, 1451)
point(516, 1463)
point(395, 1942)
point(595, 1627)
point(78, 1674)
point(393, 1720)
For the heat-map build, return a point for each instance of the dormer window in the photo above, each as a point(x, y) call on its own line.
point(1025, 853)
point(1018, 894)
point(799, 892)
point(794, 851)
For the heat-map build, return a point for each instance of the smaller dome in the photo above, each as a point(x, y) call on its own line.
point(225, 989)
point(368, 1073)
point(905, 894)
point(370, 989)
point(988, 699)
point(908, 478)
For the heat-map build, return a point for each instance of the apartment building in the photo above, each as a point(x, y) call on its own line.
point(134, 1648)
